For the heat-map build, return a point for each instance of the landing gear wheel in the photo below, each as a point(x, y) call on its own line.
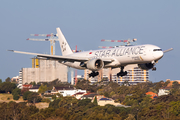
point(154, 69)
point(121, 73)
point(93, 74)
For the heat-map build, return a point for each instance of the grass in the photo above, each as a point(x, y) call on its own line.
point(4, 98)
point(9, 97)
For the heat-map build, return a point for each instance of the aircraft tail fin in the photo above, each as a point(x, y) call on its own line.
point(65, 48)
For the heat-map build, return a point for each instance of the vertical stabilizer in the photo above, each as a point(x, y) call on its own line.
point(65, 48)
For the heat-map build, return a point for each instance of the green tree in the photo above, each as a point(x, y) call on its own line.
point(34, 98)
point(0, 81)
point(55, 103)
point(95, 101)
point(16, 96)
point(26, 94)
point(106, 94)
point(84, 102)
point(7, 87)
point(16, 90)
point(42, 88)
point(175, 108)
point(175, 85)
point(8, 79)
point(33, 83)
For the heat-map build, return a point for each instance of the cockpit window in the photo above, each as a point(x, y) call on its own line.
point(157, 50)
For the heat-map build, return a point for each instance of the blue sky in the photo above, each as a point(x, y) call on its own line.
point(85, 23)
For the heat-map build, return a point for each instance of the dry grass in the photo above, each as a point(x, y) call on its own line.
point(42, 105)
point(4, 98)
point(9, 97)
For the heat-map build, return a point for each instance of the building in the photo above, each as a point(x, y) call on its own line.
point(89, 96)
point(153, 95)
point(20, 82)
point(171, 82)
point(43, 71)
point(164, 91)
point(67, 91)
point(27, 86)
point(104, 101)
point(79, 95)
point(134, 76)
point(15, 79)
point(34, 88)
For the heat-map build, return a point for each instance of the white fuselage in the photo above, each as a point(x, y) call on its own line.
point(121, 56)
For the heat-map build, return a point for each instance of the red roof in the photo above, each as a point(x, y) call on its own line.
point(152, 94)
point(79, 93)
point(27, 86)
point(88, 93)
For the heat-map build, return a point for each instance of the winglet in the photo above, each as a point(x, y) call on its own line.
point(11, 50)
point(168, 50)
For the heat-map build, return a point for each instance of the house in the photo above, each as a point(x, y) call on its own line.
point(89, 96)
point(79, 95)
point(67, 91)
point(164, 91)
point(171, 82)
point(104, 101)
point(153, 95)
point(98, 97)
point(27, 86)
point(34, 88)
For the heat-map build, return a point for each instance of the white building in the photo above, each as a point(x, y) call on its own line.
point(164, 91)
point(67, 91)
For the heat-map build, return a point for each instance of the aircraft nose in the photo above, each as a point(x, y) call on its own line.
point(158, 55)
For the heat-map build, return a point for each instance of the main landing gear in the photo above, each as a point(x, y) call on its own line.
point(121, 73)
point(93, 74)
point(154, 69)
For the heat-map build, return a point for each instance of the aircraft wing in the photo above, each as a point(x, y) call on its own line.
point(60, 58)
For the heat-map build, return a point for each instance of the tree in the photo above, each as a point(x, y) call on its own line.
point(26, 94)
point(16, 96)
point(130, 117)
point(55, 103)
point(106, 94)
point(95, 101)
point(34, 98)
point(84, 102)
point(8, 79)
point(0, 81)
point(33, 83)
point(16, 90)
point(42, 88)
point(176, 85)
point(7, 87)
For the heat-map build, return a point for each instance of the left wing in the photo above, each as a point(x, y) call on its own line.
point(55, 57)
point(61, 58)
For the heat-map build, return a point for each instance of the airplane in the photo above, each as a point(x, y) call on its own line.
point(144, 56)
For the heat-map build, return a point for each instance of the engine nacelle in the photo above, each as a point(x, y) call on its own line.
point(146, 66)
point(95, 64)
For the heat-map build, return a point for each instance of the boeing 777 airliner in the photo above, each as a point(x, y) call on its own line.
point(145, 56)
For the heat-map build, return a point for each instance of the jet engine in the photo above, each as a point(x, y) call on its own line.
point(95, 64)
point(146, 66)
